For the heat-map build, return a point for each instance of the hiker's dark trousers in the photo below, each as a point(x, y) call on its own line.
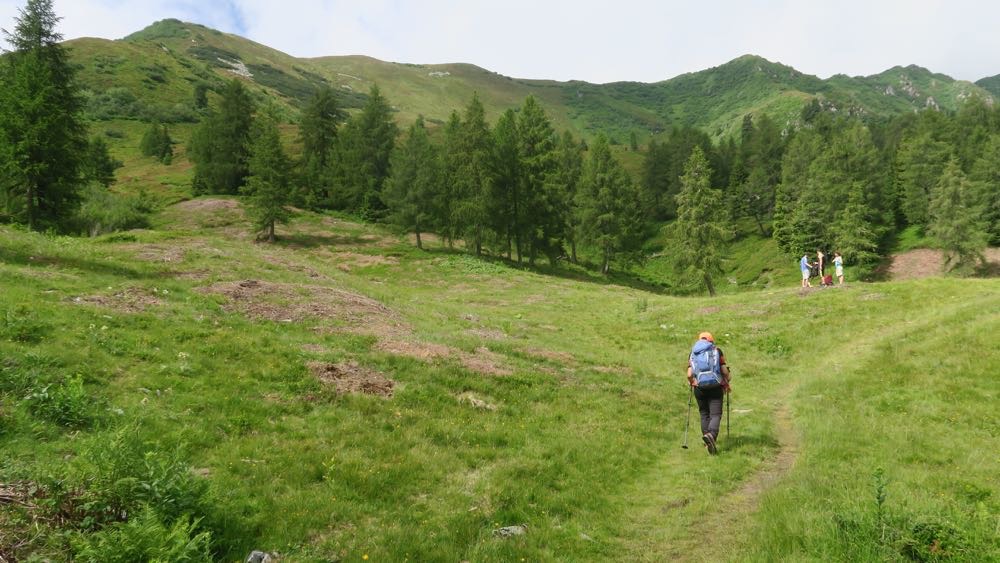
point(710, 407)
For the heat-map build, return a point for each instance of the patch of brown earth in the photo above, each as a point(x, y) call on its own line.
point(346, 261)
point(350, 377)
point(284, 302)
point(287, 264)
point(207, 204)
point(487, 333)
point(925, 262)
point(485, 362)
point(424, 351)
point(129, 300)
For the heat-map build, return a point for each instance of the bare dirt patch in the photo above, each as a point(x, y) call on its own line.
point(285, 302)
point(552, 356)
point(424, 351)
point(129, 300)
point(487, 333)
point(484, 361)
point(346, 261)
point(207, 204)
point(351, 377)
point(925, 262)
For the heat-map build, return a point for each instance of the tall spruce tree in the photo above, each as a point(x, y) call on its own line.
point(700, 223)
point(364, 147)
point(42, 136)
point(608, 206)
point(563, 185)
point(220, 146)
point(318, 133)
point(920, 162)
point(536, 150)
point(956, 221)
point(856, 230)
point(413, 189)
point(267, 186)
point(99, 166)
point(986, 174)
point(471, 176)
point(506, 184)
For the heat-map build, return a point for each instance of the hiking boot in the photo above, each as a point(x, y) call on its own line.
point(710, 443)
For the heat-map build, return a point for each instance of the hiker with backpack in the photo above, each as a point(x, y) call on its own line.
point(708, 376)
point(806, 270)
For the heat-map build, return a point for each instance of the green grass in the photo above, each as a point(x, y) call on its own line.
point(585, 378)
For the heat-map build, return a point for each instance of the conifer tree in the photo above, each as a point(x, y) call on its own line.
point(451, 159)
point(412, 189)
point(364, 147)
point(98, 166)
point(986, 174)
point(506, 184)
point(856, 231)
point(156, 142)
point(956, 221)
point(921, 160)
point(220, 146)
point(471, 176)
point(42, 137)
point(608, 203)
point(318, 133)
point(536, 149)
point(564, 183)
point(700, 222)
point(267, 185)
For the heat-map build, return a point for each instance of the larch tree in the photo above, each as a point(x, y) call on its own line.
point(956, 221)
point(42, 136)
point(536, 153)
point(608, 206)
point(471, 176)
point(267, 187)
point(986, 174)
point(563, 185)
point(699, 228)
point(362, 163)
point(412, 190)
point(318, 134)
point(920, 162)
point(220, 147)
point(506, 184)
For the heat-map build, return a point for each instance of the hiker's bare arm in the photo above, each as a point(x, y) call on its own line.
point(690, 376)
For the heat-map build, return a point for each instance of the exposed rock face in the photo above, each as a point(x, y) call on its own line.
point(237, 67)
point(932, 103)
point(890, 91)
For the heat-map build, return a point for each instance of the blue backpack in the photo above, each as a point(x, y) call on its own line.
point(706, 366)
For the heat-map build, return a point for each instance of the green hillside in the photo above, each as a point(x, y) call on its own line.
point(343, 396)
point(990, 84)
point(161, 64)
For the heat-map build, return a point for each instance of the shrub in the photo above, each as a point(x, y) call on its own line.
point(66, 403)
point(104, 211)
point(125, 473)
point(145, 537)
point(22, 325)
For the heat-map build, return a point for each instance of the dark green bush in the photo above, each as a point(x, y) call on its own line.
point(103, 211)
point(22, 325)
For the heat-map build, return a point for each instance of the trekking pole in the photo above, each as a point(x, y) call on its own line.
point(729, 402)
point(688, 423)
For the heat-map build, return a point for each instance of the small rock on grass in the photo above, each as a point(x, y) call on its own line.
point(260, 557)
point(509, 531)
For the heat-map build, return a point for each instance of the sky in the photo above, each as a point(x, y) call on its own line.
point(599, 42)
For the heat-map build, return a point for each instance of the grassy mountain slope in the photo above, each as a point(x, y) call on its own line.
point(518, 399)
point(990, 84)
point(162, 62)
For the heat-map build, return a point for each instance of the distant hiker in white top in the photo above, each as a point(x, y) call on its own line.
point(805, 267)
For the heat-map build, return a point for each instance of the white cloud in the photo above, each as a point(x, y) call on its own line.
point(640, 40)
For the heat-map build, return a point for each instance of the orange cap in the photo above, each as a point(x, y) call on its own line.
point(706, 336)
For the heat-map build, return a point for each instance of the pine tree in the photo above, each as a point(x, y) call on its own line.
point(856, 231)
point(956, 221)
point(920, 162)
point(156, 142)
point(267, 186)
point(563, 186)
point(608, 206)
point(700, 222)
point(42, 137)
point(986, 174)
point(318, 133)
point(220, 145)
point(506, 183)
point(412, 189)
point(536, 149)
point(471, 176)
point(364, 146)
point(98, 166)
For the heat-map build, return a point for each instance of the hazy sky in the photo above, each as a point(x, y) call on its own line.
point(642, 40)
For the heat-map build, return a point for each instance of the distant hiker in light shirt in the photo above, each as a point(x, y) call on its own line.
point(708, 375)
point(838, 263)
point(805, 267)
point(819, 258)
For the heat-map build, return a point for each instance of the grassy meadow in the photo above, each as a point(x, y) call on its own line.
point(343, 396)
